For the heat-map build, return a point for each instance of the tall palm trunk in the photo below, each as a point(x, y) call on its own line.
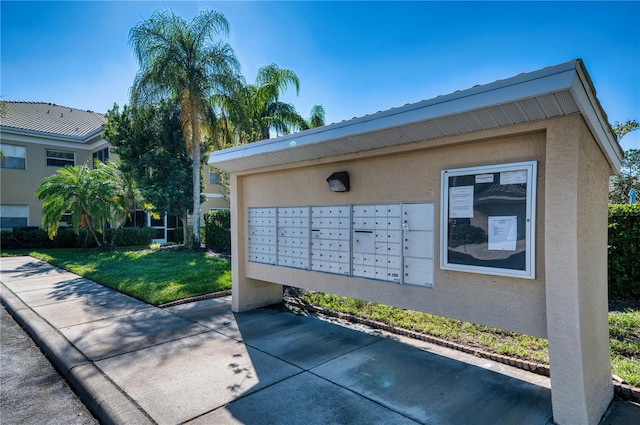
point(196, 179)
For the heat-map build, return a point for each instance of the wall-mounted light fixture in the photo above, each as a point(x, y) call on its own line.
point(339, 181)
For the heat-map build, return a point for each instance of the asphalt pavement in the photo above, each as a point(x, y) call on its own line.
point(199, 363)
point(31, 390)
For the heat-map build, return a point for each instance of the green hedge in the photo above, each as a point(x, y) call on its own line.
point(66, 238)
point(217, 230)
point(133, 236)
point(624, 250)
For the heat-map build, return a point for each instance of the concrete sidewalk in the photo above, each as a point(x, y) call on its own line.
point(199, 363)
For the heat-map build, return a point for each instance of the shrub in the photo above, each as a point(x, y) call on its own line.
point(217, 233)
point(66, 238)
point(178, 236)
point(132, 236)
point(624, 250)
point(25, 239)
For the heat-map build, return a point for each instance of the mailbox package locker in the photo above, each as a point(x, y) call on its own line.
point(388, 242)
point(417, 240)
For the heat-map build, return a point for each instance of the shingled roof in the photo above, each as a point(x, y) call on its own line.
point(52, 121)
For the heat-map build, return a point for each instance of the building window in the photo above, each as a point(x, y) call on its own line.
point(60, 158)
point(102, 155)
point(214, 177)
point(13, 216)
point(13, 156)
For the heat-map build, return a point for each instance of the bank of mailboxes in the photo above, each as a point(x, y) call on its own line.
point(293, 237)
point(262, 235)
point(330, 246)
point(390, 242)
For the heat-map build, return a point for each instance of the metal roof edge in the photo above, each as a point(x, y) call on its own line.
point(584, 93)
point(568, 77)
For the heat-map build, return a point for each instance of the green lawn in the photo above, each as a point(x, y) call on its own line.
point(153, 276)
point(624, 335)
point(165, 275)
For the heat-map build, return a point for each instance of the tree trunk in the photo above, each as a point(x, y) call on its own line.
point(264, 133)
point(196, 179)
point(90, 228)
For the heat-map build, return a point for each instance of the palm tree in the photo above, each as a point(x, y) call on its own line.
point(253, 110)
point(267, 111)
point(316, 119)
point(78, 190)
point(229, 120)
point(181, 60)
point(124, 195)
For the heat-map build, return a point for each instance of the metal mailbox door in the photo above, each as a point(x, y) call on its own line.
point(417, 216)
point(418, 271)
point(364, 242)
point(418, 244)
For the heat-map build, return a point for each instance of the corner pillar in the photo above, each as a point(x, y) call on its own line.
point(576, 178)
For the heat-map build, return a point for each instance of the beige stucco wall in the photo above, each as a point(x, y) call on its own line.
point(407, 174)
point(215, 199)
point(576, 273)
point(18, 187)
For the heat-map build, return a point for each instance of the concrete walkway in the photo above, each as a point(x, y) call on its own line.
point(199, 363)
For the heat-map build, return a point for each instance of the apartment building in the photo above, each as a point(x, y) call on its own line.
point(38, 138)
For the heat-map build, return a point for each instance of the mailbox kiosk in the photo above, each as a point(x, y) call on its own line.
point(487, 205)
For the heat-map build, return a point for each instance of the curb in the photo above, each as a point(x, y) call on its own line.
point(106, 401)
point(621, 390)
point(197, 298)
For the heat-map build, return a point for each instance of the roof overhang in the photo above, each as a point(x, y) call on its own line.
point(556, 91)
point(87, 138)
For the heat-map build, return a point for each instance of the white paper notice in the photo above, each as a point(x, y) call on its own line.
point(484, 178)
point(503, 233)
point(513, 177)
point(461, 202)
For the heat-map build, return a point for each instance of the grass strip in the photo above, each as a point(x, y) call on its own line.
point(153, 276)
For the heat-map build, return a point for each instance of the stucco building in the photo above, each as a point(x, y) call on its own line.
point(487, 205)
point(37, 138)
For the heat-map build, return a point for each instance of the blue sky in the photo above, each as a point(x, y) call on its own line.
point(354, 58)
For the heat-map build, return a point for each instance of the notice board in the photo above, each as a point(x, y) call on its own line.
point(488, 219)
